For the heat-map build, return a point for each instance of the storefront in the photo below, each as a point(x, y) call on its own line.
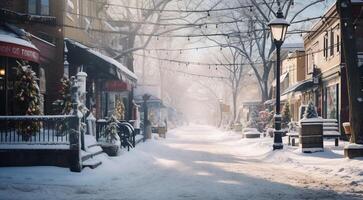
point(109, 83)
point(15, 48)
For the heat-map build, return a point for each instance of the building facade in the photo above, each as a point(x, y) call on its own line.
point(81, 26)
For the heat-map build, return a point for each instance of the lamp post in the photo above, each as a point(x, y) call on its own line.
point(278, 28)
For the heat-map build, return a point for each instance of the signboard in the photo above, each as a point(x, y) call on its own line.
point(18, 51)
point(114, 86)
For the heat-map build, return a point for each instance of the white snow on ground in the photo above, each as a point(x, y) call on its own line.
point(196, 162)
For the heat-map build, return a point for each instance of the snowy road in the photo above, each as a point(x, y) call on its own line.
point(194, 162)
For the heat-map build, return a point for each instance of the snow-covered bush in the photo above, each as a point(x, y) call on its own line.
point(110, 140)
point(310, 111)
point(253, 119)
point(293, 127)
point(64, 105)
point(286, 115)
point(265, 119)
point(110, 135)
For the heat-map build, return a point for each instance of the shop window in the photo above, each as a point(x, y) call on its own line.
point(38, 7)
point(331, 102)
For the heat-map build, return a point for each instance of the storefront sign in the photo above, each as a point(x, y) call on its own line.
point(18, 51)
point(117, 86)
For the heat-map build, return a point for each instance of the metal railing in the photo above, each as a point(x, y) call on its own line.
point(53, 129)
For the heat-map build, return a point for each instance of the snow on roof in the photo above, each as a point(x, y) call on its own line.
point(12, 38)
point(108, 59)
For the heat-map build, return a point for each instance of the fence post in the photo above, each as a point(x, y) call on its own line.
point(74, 137)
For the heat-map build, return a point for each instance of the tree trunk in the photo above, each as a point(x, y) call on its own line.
point(234, 99)
point(130, 57)
point(353, 80)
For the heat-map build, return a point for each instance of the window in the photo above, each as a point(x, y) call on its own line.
point(44, 7)
point(331, 102)
point(338, 43)
point(38, 7)
point(326, 45)
point(32, 6)
point(331, 42)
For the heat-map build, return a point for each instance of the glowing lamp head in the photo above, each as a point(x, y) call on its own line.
point(279, 27)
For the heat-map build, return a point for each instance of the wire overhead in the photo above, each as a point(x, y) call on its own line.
point(207, 11)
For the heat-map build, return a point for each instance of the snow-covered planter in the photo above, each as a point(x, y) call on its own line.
point(110, 140)
point(251, 133)
point(311, 132)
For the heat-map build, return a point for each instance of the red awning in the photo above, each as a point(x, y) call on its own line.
point(47, 50)
point(15, 47)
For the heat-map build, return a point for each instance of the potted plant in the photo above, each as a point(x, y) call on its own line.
point(346, 126)
point(110, 140)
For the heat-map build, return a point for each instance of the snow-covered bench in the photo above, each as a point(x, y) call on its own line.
point(330, 130)
point(291, 137)
point(251, 133)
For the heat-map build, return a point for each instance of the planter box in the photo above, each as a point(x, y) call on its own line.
point(110, 149)
point(311, 135)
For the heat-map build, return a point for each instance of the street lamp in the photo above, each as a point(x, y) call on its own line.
point(278, 28)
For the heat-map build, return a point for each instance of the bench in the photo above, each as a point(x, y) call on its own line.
point(291, 137)
point(330, 130)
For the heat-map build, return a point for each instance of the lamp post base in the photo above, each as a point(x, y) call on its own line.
point(277, 146)
point(277, 140)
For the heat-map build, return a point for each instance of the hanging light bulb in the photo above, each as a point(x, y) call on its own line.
point(250, 8)
point(208, 13)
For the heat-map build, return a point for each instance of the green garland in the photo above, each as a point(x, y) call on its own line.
point(27, 97)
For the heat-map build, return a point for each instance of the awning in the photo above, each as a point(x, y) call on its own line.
point(82, 54)
point(47, 50)
point(300, 86)
point(282, 78)
point(283, 99)
point(11, 45)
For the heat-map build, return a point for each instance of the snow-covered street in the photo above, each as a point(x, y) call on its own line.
point(196, 162)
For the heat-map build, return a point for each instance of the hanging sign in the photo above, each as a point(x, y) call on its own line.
point(117, 86)
point(20, 52)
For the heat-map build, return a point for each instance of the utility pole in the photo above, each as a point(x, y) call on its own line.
point(355, 93)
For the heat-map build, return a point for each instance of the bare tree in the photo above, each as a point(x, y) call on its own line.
point(233, 65)
point(252, 38)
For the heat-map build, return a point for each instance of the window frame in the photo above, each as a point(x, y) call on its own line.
point(38, 7)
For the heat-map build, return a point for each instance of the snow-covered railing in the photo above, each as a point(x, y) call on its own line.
point(43, 130)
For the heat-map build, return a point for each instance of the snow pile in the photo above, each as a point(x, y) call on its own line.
point(196, 162)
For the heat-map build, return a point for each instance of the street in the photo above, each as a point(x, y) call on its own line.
point(195, 162)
